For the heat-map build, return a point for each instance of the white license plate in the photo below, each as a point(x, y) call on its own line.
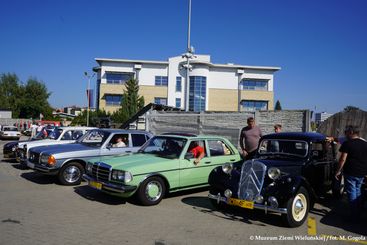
point(30, 165)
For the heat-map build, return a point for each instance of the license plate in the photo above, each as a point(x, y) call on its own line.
point(241, 203)
point(95, 184)
point(30, 165)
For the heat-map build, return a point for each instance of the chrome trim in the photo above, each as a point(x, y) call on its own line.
point(110, 186)
point(266, 208)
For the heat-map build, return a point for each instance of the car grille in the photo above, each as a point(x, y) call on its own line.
point(252, 179)
point(101, 171)
point(34, 157)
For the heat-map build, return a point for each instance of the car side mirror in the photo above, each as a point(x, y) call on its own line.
point(189, 155)
point(109, 146)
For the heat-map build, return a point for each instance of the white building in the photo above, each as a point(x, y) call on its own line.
point(322, 116)
point(212, 87)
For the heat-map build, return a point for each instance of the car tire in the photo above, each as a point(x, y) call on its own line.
point(297, 208)
point(337, 188)
point(216, 205)
point(71, 174)
point(151, 191)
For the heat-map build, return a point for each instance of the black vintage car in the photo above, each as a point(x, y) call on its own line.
point(289, 173)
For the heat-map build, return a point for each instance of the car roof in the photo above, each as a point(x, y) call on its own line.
point(307, 136)
point(191, 136)
point(126, 131)
point(76, 127)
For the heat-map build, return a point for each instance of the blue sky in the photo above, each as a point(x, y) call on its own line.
point(321, 46)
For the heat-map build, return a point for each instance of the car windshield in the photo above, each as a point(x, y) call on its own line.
point(283, 147)
point(10, 129)
point(94, 138)
point(167, 147)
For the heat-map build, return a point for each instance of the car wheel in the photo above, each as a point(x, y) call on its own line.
point(71, 174)
point(297, 208)
point(151, 191)
point(338, 187)
point(217, 205)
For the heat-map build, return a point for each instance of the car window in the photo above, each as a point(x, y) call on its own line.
point(94, 138)
point(318, 151)
point(218, 148)
point(10, 129)
point(67, 135)
point(54, 134)
point(138, 139)
point(196, 147)
point(283, 146)
point(166, 147)
point(76, 134)
point(119, 140)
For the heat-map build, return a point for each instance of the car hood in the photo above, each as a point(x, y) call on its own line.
point(55, 149)
point(10, 144)
point(138, 163)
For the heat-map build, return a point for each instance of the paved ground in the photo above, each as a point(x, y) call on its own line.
point(34, 209)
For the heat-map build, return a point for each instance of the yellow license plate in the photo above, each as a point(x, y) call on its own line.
point(95, 185)
point(241, 203)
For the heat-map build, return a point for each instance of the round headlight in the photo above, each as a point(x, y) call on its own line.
point(228, 193)
point(227, 168)
point(274, 173)
point(128, 177)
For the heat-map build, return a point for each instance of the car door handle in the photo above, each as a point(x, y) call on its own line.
point(128, 151)
point(207, 162)
point(232, 160)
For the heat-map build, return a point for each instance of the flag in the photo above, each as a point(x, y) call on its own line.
point(90, 98)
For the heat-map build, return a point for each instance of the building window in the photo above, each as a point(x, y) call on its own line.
point(178, 102)
point(197, 96)
point(161, 81)
point(254, 84)
point(160, 101)
point(178, 84)
point(118, 78)
point(254, 105)
point(113, 100)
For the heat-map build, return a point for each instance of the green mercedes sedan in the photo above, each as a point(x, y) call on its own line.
point(166, 163)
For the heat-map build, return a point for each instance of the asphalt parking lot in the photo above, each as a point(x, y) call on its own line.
point(35, 209)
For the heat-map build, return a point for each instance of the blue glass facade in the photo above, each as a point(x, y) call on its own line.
point(160, 101)
point(118, 78)
point(254, 84)
point(114, 100)
point(178, 84)
point(197, 95)
point(254, 105)
point(178, 102)
point(161, 81)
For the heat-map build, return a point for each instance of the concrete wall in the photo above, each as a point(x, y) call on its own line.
point(226, 124)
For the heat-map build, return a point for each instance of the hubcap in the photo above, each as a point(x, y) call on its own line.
point(71, 174)
point(299, 207)
point(153, 191)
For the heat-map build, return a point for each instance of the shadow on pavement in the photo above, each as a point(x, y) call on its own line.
point(339, 217)
point(203, 204)
point(98, 196)
point(19, 166)
point(39, 178)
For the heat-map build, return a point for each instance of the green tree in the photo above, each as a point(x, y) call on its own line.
point(35, 100)
point(278, 107)
point(350, 108)
point(131, 102)
point(10, 92)
point(94, 117)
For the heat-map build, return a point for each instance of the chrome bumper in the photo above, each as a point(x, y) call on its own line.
point(266, 208)
point(109, 186)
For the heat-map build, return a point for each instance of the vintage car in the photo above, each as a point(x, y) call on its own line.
point(57, 136)
point(68, 161)
point(164, 164)
point(289, 173)
point(9, 133)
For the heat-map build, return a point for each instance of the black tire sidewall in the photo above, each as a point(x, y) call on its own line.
point(61, 173)
point(141, 193)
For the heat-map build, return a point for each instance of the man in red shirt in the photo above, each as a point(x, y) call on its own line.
point(197, 151)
